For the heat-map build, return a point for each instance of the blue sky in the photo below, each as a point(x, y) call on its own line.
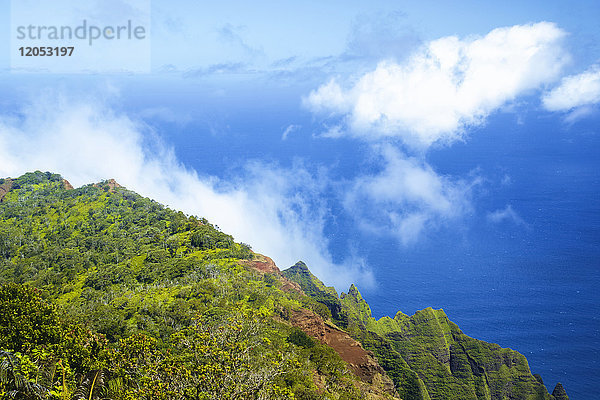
point(312, 112)
point(304, 117)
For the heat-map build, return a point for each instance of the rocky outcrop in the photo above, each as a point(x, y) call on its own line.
point(109, 185)
point(5, 187)
point(67, 185)
point(559, 392)
point(265, 265)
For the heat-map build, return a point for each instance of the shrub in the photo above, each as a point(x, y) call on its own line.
point(300, 339)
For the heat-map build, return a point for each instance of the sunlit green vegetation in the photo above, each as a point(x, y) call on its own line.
point(105, 294)
point(426, 355)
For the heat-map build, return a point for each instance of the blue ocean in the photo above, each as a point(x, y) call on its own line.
point(533, 286)
point(530, 283)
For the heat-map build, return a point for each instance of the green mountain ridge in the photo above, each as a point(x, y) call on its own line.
point(105, 294)
point(426, 355)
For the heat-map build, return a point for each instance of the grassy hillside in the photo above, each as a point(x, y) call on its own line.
point(111, 295)
point(105, 294)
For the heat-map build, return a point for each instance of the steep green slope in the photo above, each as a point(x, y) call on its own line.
point(428, 356)
point(106, 294)
point(315, 289)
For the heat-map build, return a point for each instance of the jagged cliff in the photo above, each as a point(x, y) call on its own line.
point(376, 382)
point(426, 355)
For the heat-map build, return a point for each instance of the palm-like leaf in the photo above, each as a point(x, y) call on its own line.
point(17, 385)
point(91, 387)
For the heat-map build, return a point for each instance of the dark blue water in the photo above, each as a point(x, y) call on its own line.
point(533, 286)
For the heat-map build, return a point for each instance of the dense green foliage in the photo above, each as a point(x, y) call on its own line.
point(106, 294)
point(316, 290)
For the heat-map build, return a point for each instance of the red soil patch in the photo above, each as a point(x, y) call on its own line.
point(5, 187)
point(265, 265)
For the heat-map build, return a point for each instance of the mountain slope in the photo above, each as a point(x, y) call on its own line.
point(427, 355)
point(151, 303)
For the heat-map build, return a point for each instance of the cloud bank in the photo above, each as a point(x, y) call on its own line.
point(280, 212)
point(432, 97)
point(407, 197)
point(448, 85)
point(289, 130)
point(575, 91)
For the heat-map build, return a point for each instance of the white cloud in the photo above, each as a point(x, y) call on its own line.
point(406, 198)
point(448, 85)
point(280, 212)
point(575, 91)
point(506, 214)
point(290, 129)
point(579, 113)
point(328, 98)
